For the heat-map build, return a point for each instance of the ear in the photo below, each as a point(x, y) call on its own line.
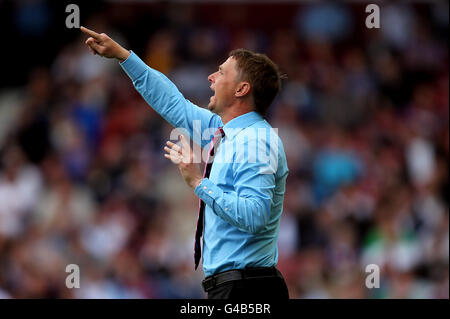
point(242, 89)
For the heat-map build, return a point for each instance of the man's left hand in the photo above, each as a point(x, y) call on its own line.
point(183, 157)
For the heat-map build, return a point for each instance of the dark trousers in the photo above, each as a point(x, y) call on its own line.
point(251, 289)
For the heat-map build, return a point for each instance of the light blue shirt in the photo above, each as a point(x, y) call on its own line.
point(245, 190)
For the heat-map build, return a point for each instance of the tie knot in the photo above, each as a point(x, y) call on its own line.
point(220, 132)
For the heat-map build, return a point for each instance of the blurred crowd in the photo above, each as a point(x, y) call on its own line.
point(363, 116)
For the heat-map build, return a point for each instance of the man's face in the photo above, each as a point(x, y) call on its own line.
point(223, 83)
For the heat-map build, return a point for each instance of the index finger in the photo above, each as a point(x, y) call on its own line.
point(185, 142)
point(91, 33)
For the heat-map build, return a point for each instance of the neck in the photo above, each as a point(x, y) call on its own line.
point(233, 112)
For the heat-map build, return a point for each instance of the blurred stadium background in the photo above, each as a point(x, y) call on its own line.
point(363, 116)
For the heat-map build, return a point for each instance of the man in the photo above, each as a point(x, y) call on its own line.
point(241, 195)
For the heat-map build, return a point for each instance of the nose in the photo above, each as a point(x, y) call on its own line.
point(211, 78)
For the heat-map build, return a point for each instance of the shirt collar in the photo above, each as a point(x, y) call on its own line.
point(241, 122)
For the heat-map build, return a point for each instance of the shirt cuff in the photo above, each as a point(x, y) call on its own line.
point(207, 191)
point(133, 66)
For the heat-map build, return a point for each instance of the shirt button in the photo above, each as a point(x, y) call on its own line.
point(204, 187)
point(226, 208)
point(210, 192)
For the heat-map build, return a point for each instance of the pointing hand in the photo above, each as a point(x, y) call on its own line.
point(103, 45)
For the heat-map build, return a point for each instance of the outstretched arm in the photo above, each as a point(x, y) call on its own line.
point(157, 90)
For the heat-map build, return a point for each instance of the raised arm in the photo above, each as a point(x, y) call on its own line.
point(157, 90)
